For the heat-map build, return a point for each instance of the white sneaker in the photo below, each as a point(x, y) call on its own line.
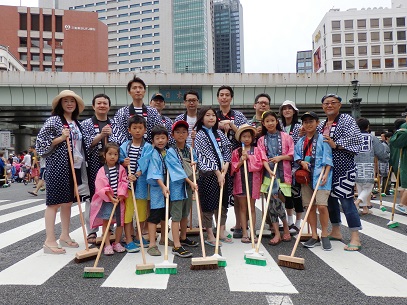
point(401, 208)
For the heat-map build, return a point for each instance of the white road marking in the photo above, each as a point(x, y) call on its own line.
point(279, 300)
point(17, 204)
point(22, 213)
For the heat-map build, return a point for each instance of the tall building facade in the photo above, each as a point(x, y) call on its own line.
point(371, 40)
point(54, 40)
point(304, 62)
point(229, 42)
point(8, 62)
point(157, 35)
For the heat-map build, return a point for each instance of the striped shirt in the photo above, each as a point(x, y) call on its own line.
point(134, 155)
point(113, 179)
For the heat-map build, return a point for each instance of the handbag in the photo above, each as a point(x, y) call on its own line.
point(302, 176)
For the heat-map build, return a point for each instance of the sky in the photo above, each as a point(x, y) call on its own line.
point(275, 30)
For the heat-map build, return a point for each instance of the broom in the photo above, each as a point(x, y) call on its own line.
point(95, 271)
point(298, 262)
point(394, 224)
point(201, 263)
point(387, 181)
point(143, 268)
point(256, 258)
point(165, 267)
point(378, 183)
point(86, 254)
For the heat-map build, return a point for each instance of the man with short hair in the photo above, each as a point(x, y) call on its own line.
point(261, 104)
point(343, 136)
point(191, 102)
point(136, 88)
point(158, 102)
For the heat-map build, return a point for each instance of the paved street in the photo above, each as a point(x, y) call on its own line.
point(375, 275)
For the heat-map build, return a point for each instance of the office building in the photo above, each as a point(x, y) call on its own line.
point(8, 62)
point(158, 35)
point(54, 40)
point(370, 40)
point(228, 27)
point(304, 62)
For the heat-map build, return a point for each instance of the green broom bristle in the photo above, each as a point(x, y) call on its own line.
point(393, 225)
point(159, 270)
point(383, 209)
point(145, 271)
point(256, 262)
point(222, 263)
point(93, 274)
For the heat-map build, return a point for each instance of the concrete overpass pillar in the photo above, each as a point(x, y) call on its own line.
point(22, 139)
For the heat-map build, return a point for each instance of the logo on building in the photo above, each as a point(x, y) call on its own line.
point(78, 28)
point(317, 37)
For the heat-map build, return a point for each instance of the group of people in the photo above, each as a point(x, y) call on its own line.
point(141, 150)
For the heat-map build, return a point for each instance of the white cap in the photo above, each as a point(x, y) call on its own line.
point(287, 102)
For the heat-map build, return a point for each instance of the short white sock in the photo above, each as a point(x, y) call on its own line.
point(290, 220)
point(298, 223)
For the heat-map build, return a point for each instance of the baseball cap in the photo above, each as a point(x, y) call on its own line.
point(331, 95)
point(179, 123)
point(310, 114)
point(157, 96)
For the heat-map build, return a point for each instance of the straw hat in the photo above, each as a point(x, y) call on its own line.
point(242, 128)
point(65, 93)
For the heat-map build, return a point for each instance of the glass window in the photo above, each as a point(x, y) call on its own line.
point(23, 21)
point(387, 22)
point(375, 36)
point(336, 24)
point(47, 57)
point(363, 64)
point(23, 56)
point(361, 23)
point(350, 65)
point(362, 37)
point(23, 42)
point(374, 23)
point(401, 21)
point(301, 64)
point(47, 19)
point(389, 62)
point(58, 23)
point(375, 50)
point(349, 51)
point(362, 50)
point(348, 24)
point(388, 49)
point(376, 63)
point(401, 49)
point(35, 22)
point(336, 51)
point(401, 35)
point(388, 36)
point(349, 37)
point(337, 65)
point(402, 62)
point(336, 38)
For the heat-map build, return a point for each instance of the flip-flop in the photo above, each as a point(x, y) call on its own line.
point(358, 248)
point(245, 240)
point(274, 243)
point(32, 193)
point(334, 238)
point(226, 240)
point(212, 243)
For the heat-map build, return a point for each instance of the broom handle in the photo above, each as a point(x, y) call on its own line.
point(75, 186)
point(167, 214)
point(140, 236)
point(388, 176)
point(378, 180)
point(218, 222)
point(263, 221)
point(314, 194)
point(198, 207)
point(397, 186)
point(105, 236)
point(249, 205)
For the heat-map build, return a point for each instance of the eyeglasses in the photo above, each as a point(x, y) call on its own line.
point(333, 103)
point(263, 103)
point(191, 101)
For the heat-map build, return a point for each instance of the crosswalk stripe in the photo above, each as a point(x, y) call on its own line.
point(37, 268)
point(1, 201)
point(124, 275)
point(15, 235)
point(21, 213)
point(18, 203)
point(387, 215)
point(244, 277)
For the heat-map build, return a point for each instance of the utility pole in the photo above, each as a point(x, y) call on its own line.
point(355, 100)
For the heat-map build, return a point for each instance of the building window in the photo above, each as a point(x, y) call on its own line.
point(58, 24)
point(336, 25)
point(401, 21)
point(336, 38)
point(337, 65)
point(401, 35)
point(375, 36)
point(349, 51)
point(23, 56)
point(23, 21)
point(361, 23)
point(349, 37)
point(387, 22)
point(363, 64)
point(388, 36)
point(47, 57)
point(23, 42)
point(348, 24)
point(47, 19)
point(402, 62)
point(337, 52)
point(388, 49)
point(389, 62)
point(35, 22)
point(374, 23)
point(375, 50)
point(401, 49)
point(362, 50)
point(362, 37)
point(376, 63)
point(350, 65)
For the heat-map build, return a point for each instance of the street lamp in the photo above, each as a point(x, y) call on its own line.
point(355, 100)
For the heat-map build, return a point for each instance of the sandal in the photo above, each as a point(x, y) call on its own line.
point(226, 240)
point(92, 238)
point(69, 243)
point(212, 243)
point(286, 237)
point(53, 249)
point(245, 240)
point(108, 250)
point(274, 241)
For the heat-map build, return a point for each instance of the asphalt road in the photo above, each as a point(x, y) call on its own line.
point(375, 275)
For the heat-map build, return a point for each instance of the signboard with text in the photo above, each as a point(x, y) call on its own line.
point(176, 95)
point(5, 139)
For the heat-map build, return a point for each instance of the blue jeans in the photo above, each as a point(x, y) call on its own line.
point(349, 209)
